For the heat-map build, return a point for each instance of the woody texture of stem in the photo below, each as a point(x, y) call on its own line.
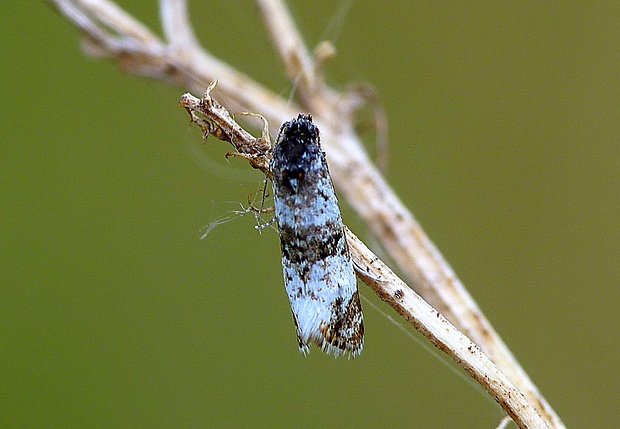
point(444, 312)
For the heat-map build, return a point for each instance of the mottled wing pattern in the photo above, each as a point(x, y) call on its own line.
point(318, 272)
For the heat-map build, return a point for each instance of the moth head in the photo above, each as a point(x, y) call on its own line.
point(301, 128)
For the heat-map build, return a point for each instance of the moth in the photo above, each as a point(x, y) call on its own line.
point(318, 272)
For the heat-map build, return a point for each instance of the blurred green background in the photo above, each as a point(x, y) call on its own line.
point(504, 125)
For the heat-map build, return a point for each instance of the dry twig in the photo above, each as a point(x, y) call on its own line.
point(110, 32)
point(378, 276)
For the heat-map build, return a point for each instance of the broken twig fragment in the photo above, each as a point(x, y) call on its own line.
point(215, 120)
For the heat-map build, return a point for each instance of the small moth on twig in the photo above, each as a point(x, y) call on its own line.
point(326, 307)
point(319, 276)
point(318, 271)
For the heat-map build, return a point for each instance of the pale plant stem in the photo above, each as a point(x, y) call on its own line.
point(212, 118)
point(111, 32)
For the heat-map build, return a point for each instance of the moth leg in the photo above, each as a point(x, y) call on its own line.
point(259, 211)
